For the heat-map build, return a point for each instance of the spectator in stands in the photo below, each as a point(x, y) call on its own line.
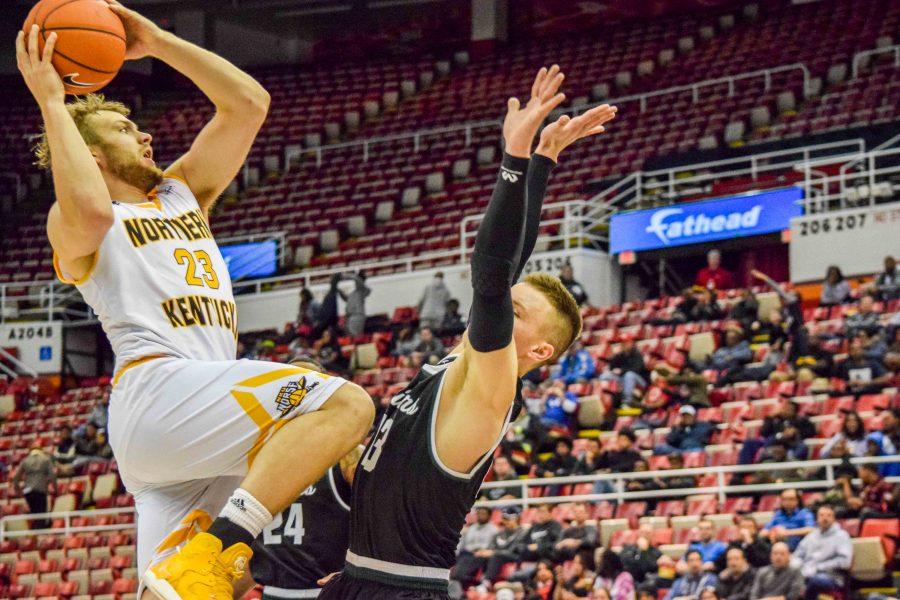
point(627, 368)
point(86, 446)
point(567, 276)
point(64, 455)
point(771, 331)
point(876, 499)
point(823, 555)
point(676, 462)
point(733, 355)
point(736, 580)
point(888, 440)
point(327, 315)
point(622, 457)
point(309, 308)
point(835, 289)
point(576, 365)
point(540, 539)
point(100, 415)
point(452, 322)
point(476, 537)
point(852, 433)
point(687, 435)
point(433, 303)
point(355, 311)
point(811, 360)
point(504, 547)
point(776, 452)
point(778, 580)
point(791, 521)
point(406, 341)
point(863, 375)
point(786, 418)
point(746, 310)
point(559, 406)
point(328, 352)
point(713, 276)
point(640, 558)
point(687, 387)
point(694, 580)
point(866, 318)
point(707, 545)
point(887, 283)
point(698, 304)
point(503, 471)
point(754, 548)
point(561, 463)
point(836, 496)
point(32, 480)
point(579, 580)
point(540, 584)
point(430, 347)
point(611, 575)
point(643, 485)
point(579, 535)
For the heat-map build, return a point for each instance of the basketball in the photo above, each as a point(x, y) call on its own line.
point(90, 48)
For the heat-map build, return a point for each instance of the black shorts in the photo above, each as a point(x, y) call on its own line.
point(346, 587)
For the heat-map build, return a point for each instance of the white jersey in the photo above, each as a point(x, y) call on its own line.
point(159, 283)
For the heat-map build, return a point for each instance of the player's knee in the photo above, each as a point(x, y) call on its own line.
point(355, 406)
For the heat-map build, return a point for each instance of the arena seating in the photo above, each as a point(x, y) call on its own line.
point(100, 563)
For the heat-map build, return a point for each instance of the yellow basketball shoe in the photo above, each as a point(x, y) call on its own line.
point(201, 570)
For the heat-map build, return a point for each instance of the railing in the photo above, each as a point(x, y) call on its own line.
point(68, 529)
point(18, 364)
point(857, 58)
point(858, 189)
point(664, 186)
point(887, 144)
point(721, 489)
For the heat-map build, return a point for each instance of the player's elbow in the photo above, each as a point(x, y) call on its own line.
point(356, 407)
point(257, 101)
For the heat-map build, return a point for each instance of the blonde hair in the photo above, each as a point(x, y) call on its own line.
point(80, 109)
point(567, 325)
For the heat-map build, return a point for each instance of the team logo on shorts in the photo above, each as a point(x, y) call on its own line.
point(290, 396)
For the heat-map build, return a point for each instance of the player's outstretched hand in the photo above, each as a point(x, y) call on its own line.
point(36, 68)
point(563, 132)
point(522, 122)
point(141, 33)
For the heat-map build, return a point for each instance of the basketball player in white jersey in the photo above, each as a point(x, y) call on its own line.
point(194, 431)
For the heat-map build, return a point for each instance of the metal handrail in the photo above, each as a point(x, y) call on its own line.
point(888, 143)
point(721, 489)
point(895, 49)
point(67, 517)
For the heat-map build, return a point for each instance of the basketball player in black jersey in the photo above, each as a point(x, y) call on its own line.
point(421, 470)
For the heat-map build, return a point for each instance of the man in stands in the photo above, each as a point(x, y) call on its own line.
point(452, 322)
point(730, 358)
point(787, 417)
point(811, 359)
point(433, 303)
point(863, 375)
point(430, 347)
point(824, 554)
point(791, 522)
point(694, 580)
point(561, 463)
point(475, 538)
point(540, 540)
point(713, 276)
point(779, 580)
point(640, 558)
point(579, 535)
point(736, 580)
point(707, 545)
point(567, 276)
point(622, 457)
point(627, 368)
point(865, 318)
point(688, 435)
point(577, 365)
point(887, 283)
point(503, 471)
point(876, 500)
point(33, 479)
point(755, 548)
point(888, 440)
point(504, 547)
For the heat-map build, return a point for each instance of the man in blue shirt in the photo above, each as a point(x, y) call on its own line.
point(577, 365)
point(708, 546)
point(791, 522)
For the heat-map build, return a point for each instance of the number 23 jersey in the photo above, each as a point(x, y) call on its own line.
point(159, 284)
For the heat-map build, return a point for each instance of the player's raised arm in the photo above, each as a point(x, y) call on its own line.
point(82, 213)
point(221, 148)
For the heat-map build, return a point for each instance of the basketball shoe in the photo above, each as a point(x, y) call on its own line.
point(201, 570)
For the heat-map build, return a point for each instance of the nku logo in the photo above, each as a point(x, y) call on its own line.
point(699, 224)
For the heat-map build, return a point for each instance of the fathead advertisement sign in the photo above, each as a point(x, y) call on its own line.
point(705, 221)
point(255, 259)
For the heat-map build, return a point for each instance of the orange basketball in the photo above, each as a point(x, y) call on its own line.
point(90, 45)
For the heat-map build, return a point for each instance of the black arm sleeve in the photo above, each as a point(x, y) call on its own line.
point(498, 249)
point(535, 187)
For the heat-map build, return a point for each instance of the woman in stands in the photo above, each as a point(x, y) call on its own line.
point(853, 433)
point(835, 289)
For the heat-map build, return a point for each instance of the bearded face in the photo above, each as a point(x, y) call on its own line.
point(135, 168)
point(123, 150)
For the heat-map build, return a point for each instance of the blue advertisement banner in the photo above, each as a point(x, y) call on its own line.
point(705, 221)
point(254, 259)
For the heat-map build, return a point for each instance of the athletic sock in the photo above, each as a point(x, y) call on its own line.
point(241, 520)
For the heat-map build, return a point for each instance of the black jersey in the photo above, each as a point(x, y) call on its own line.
point(408, 508)
point(308, 540)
